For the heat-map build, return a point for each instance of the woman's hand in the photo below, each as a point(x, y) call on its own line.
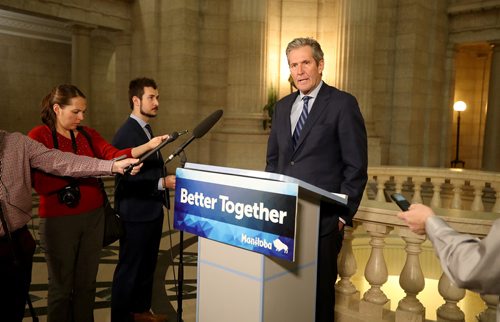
point(138, 151)
point(154, 142)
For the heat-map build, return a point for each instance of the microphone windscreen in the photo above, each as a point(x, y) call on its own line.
point(173, 136)
point(207, 124)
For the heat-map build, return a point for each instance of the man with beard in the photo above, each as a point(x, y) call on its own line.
point(140, 202)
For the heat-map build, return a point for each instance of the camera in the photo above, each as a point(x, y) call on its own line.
point(69, 195)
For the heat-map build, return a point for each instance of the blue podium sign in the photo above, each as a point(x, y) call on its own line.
point(255, 214)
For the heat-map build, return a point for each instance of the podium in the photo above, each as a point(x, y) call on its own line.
point(236, 284)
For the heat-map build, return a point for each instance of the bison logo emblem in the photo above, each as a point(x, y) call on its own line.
point(280, 246)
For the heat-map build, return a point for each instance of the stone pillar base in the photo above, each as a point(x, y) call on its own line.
point(405, 316)
point(374, 310)
point(346, 300)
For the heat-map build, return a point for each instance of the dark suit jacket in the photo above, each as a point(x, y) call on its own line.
point(137, 197)
point(331, 153)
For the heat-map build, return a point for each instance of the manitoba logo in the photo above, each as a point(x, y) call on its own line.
point(280, 246)
point(256, 241)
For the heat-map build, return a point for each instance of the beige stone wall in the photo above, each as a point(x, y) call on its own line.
point(104, 112)
point(179, 70)
point(226, 54)
point(213, 22)
point(408, 104)
point(29, 69)
point(109, 14)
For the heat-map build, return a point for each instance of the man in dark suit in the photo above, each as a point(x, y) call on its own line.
point(140, 202)
point(318, 136)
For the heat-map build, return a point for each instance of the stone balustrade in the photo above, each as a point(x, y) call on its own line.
point(377, 225)
point(437, 187)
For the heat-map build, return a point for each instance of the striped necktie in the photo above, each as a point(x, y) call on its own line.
point(301, 121)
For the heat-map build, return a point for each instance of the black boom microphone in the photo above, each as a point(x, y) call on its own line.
point(198, 132)
point(171, 138)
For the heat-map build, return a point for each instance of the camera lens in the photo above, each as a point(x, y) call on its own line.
point(68, 198)
point(69, 195)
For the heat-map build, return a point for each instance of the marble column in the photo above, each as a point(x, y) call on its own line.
point(491, 151)
point(80, 56)
point(447, 118)
point(80, 61)
point(355, 38)
point(123, 44)
point(242, 140)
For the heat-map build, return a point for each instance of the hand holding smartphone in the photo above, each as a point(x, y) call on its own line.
point(401, 201)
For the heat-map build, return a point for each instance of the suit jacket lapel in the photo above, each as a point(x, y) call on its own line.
point(320, 103)
point(137, 127)
point(287, 105)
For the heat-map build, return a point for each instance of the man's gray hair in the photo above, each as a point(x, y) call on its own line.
point(301, 42)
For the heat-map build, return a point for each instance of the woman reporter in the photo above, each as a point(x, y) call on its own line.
point(71, 210)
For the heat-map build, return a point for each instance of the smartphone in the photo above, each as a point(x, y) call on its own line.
point(401, 201)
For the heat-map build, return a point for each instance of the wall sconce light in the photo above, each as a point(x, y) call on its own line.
point(459, 106)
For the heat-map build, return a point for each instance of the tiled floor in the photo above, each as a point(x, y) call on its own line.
point(164, 295)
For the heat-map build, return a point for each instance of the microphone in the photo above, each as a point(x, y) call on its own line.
point(171, 138)
point(199, 131)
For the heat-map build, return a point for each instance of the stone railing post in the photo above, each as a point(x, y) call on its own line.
point(417, 188)
point(449, 311)
point(399, 183)
point(411, 280)
point(496, 206)
point(477, 203)
point(380, 188)
point(374, 300)
point(344, 289)
point(490, 313)
point(436, 195)
point(456, 202)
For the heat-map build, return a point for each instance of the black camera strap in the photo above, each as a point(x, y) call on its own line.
point(73, 144)
point(101, 183)
point(73, 183)
point(73, 140)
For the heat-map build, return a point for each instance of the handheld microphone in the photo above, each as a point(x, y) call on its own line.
point(171, 138)
point(199, 131)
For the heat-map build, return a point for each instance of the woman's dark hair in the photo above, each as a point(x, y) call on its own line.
point(136, 88)
point(62, 95)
